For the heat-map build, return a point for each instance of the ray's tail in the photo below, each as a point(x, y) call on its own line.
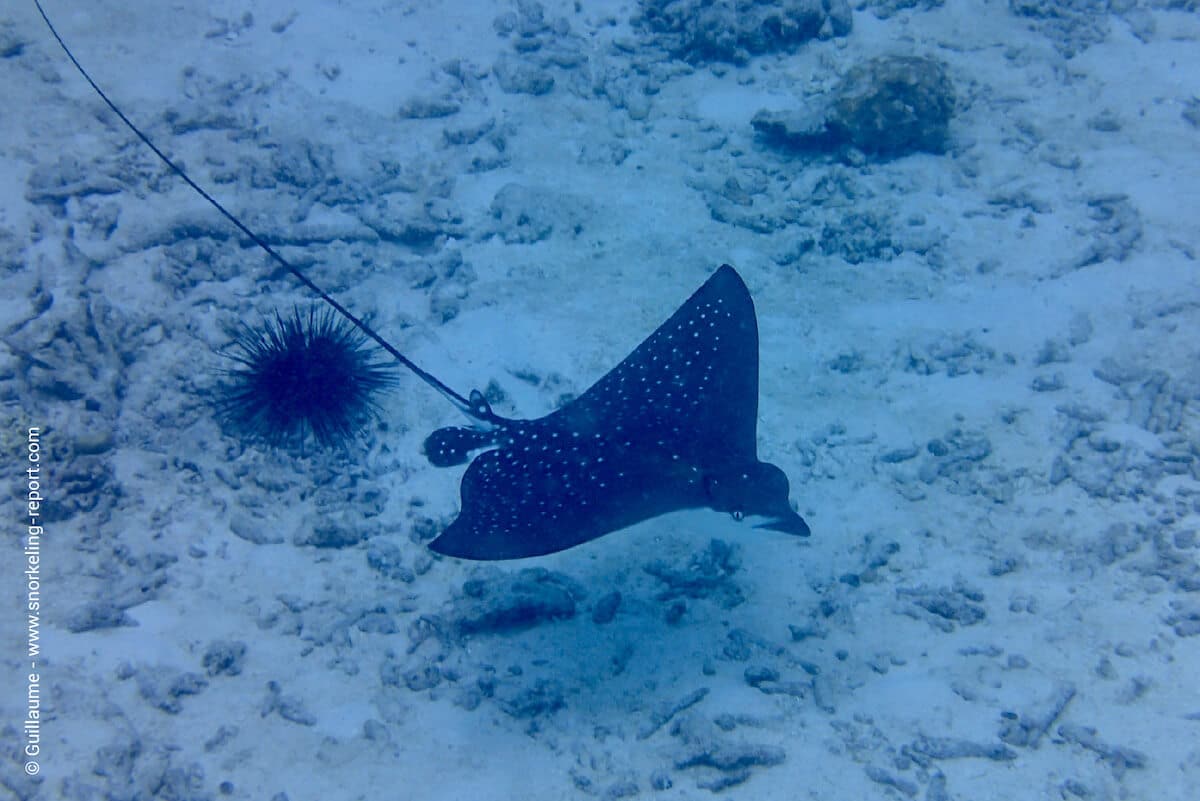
point(476, 406)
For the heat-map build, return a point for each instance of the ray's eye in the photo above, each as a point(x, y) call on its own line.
point(738, 515)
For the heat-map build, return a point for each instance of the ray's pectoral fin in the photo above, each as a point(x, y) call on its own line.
point(518, 503)
point(757, 490)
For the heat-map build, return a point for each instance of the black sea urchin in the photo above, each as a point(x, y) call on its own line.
point(304, 374)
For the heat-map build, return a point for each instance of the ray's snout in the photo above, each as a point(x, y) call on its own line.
point(789, 523)
point(758, 491)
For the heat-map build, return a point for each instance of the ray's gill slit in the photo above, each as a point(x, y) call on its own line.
point(672, 427)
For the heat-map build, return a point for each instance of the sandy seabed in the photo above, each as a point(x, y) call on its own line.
point(978, 369)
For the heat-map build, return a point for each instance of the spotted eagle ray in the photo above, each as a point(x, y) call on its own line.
point(672, 427)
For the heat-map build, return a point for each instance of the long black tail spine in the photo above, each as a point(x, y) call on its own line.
point(476, 406)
